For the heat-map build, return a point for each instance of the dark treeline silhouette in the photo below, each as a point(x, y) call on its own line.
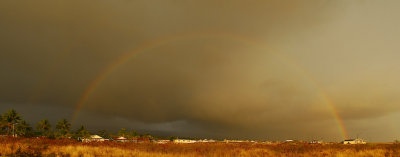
point(12, 124)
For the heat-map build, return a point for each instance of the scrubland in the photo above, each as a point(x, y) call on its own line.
point(49, 147)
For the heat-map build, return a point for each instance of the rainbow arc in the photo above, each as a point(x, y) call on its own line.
point(164, 41)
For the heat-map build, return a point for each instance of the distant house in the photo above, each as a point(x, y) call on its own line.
point(162, 141)
point(315, 142)
point(267, 142)
point(211, 140)
point(290, 141)
point(120, 139)
point(206, 141)
point(354, 141)
point(234, 141)
point(184, 141)
point(94, 138)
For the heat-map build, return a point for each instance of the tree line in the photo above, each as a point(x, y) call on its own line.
point(12, 124)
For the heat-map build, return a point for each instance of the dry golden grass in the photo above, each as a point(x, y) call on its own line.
point(47, 147)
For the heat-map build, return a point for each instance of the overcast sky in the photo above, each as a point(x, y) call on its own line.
point(233, 69)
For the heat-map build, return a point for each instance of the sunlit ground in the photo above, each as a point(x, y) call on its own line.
point(47, 147)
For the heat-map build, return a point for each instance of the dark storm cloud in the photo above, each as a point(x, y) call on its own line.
point(204, 86)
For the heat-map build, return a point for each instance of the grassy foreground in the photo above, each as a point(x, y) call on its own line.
point(47, 147)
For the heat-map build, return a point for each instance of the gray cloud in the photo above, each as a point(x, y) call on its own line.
point(205, 86)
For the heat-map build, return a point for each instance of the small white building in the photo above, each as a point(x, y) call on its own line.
point(316, 142)
point(94, 138)
point(206, 141)
point(121, 139)
point(184, 141)
point(267, 142)
point(162, 141)
point(354, 141)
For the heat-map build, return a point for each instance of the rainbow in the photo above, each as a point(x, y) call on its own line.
point(163, 41)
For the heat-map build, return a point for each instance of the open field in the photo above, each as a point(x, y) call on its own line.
point(47, 147)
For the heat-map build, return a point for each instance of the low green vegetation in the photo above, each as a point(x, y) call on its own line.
point(12, 124)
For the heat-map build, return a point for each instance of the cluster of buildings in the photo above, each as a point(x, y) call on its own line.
point(97, 138)
point(192, 141)
point(348, 141)
point(354, 141)
point(237, 141)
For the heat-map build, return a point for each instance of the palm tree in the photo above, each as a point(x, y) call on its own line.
point(11, 118)
point(81, 133)
point(44, 127)
point(104, 134)
point(3, 124)
point(63, 128)
point(122, 132)
point(23, 128)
